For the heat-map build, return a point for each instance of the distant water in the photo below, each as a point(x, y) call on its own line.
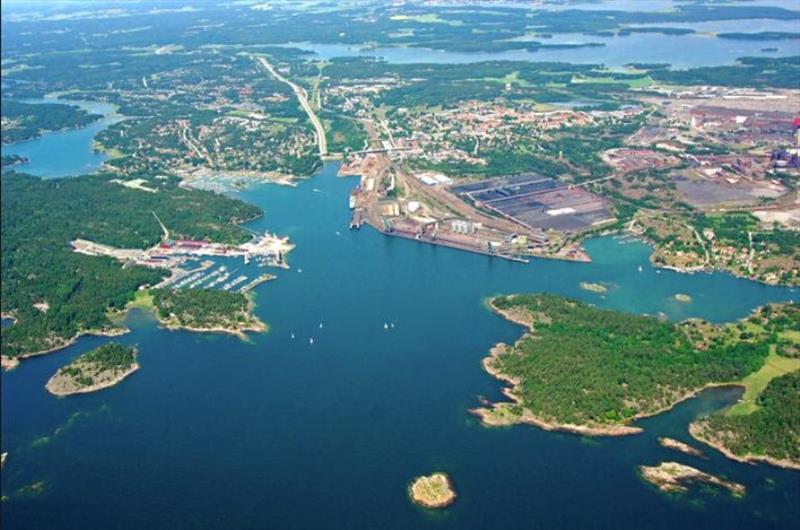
point(217, 433)
point(65, 153)
point(680, 51)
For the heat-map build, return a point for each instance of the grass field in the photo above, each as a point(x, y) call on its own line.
point(755, 383)
point(428, 18)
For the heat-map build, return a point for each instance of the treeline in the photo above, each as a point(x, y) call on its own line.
point(24, 121)
point(756, 72)
point(585, 365)
point(54, 293)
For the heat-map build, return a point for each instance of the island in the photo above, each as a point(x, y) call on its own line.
point(432, 491)
point(594, 371)
point(676, 445)
point(594, 287)
point(672, 477)
point(95, 370)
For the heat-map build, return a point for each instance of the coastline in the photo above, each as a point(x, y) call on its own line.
point(697, 432)
point(51, 383)
point(9, 363)
point(257, 326)
point(489, 418)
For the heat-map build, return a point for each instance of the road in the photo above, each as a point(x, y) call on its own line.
point(302, 96)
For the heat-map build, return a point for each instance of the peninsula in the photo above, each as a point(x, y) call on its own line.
point(95, 370)
point(78, 250)
point(593, 371)
point(206, 310)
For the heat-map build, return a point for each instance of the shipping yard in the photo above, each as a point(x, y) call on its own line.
point(537, 202)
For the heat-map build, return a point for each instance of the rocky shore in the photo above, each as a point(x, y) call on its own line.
point(700, 432)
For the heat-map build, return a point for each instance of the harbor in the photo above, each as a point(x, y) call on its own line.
point(202, 264)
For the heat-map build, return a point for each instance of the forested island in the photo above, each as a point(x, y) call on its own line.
point(94, 370)
point(206, 310)
point(24, 121)
point(594, 371)
point(53, 294)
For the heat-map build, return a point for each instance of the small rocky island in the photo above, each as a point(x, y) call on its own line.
point(594, 287)
point(95, 370)
point(432, 491)
point(676, 445)
point(672, 477)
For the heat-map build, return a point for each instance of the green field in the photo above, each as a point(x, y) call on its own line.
point(755, 383)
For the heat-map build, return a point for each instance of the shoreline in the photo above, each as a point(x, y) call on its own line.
point(91, 388)
point(257, 327)
point(418, 495)
point(696, 431)
point(9, 363)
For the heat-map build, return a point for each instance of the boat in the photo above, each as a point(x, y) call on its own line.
point(385, 325)
point(352, 201)
point(311, 340)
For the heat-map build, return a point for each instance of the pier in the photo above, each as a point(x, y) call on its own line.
point(356, 219)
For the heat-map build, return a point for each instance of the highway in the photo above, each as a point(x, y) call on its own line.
point(302, 96)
